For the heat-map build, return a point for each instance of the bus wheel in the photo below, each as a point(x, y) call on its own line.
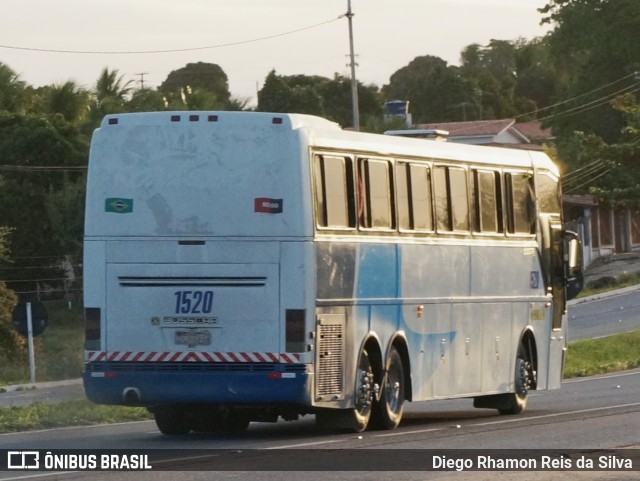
point(391, 402)
point(364, 394)
point(517, 401)
point(355, 419)
point(171, 420)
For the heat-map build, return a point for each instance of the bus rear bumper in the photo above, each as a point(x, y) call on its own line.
point(109, 383)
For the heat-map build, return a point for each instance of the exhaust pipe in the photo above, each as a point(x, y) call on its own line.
point(131, 395)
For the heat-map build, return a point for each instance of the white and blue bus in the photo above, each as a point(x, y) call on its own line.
point(244, 266)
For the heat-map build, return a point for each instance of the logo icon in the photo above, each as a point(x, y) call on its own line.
point(266, 205)
point(23, 460)
point(118, 205)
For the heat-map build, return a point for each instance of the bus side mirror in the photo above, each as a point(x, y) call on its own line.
point(573, 265)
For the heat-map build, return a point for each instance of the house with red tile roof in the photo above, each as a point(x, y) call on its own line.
point(502, 132)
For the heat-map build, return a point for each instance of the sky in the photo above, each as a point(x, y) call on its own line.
point(298, 36)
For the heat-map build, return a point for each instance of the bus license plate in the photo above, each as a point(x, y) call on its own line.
point(193, 338)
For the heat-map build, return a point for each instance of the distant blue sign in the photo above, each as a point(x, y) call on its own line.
point(397, 107)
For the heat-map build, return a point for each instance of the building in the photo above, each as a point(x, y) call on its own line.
point(503, 132)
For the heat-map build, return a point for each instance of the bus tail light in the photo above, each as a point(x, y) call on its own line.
point(294, 330)
point(92, 329)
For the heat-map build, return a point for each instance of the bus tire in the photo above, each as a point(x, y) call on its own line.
point(391, 404)
point(171, 421)
point(359, 416)
point(355, 419)
point(516, 402)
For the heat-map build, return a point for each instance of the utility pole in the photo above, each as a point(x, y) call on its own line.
point(354, 83)
point(142, 74)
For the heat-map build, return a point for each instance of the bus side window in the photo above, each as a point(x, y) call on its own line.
point(334, 192)
point(375, 208)
point(487, 199)
point(421, 197)
point(440, 190)
point(520, 203)
point(452, 198)
point(548, 192)
point(415, 209)
point(459, 195)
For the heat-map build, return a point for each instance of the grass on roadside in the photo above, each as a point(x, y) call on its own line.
point(604, 355)
point(624, 280)
point(70, 413)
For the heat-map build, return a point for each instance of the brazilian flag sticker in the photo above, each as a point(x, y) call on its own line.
point(118, 205)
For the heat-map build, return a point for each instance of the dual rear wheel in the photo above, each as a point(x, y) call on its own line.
point(376, 403)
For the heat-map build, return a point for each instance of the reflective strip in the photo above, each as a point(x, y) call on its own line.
point(240, 357)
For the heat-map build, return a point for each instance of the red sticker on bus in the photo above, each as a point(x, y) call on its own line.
point(268, 206)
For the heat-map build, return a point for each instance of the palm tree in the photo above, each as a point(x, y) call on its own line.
point(109, 95)
point(109, 85)
point(12, 90)
point(69, 100)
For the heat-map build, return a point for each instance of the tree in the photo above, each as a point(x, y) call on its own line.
point(316, 95)
point(68, 100)
point(198, 77)
point(608, 170)
point(146, 100)
point(436, 91)
point(12, 90)
point(594, 47)
point(9, 341)
point(296, 94)
point(34, 153)
point(109, 96)
point(336, 95)
point(511, 78)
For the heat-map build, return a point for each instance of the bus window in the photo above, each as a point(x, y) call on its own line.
point(377, 189)
point(440, 190)
point(414, 197)
point(452, 198)
point(486, 190)
point(403, 192)
point(520, 216)
point(333, 190)
point(459, 199)
point(548, 192)
point(421, 197)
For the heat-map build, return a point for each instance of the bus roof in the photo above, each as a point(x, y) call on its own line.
point(324, 134)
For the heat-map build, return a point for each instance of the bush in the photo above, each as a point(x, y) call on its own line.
point(10, 342)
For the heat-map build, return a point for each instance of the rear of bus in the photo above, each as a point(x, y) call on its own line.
point(197, 229)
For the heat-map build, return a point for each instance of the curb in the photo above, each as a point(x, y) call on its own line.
point(40, 385)
point(604, 295)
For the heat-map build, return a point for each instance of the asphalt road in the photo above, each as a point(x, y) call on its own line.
point(605, 314)
point(589, 414)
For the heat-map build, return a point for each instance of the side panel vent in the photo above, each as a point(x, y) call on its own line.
point(330, 357)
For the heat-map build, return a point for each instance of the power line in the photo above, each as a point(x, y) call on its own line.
point(175, 50)
point(543, 109)
point(587, 182)
point(593, 104)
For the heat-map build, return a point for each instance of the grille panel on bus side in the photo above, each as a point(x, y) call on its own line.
point(330, 349)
